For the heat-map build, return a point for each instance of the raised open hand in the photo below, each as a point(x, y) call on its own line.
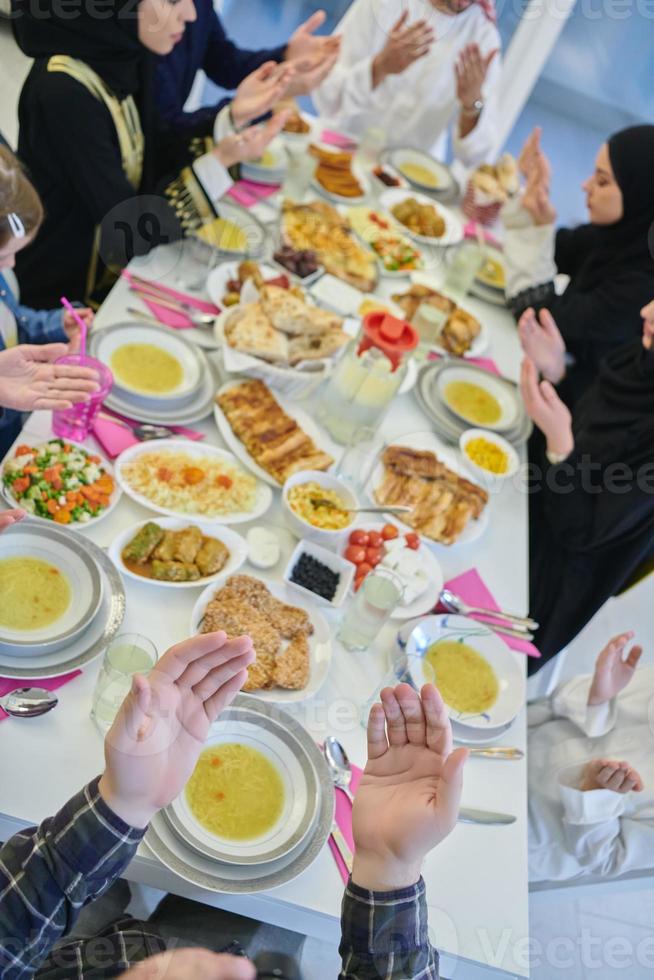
point(405, 45)
point(153, 745)
point(609, 774)
point(30, 379)
point(542, 341)
point(408, 797)
point(251, 143)
point(470, 73)
point(304, 45)
point(547, 410)
point(614, 670)
point(309, 74)
point(260, 91)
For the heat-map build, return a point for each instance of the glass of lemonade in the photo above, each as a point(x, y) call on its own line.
point(126, 655)
point(372, 608)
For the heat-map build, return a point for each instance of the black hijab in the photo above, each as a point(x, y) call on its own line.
point(104, 35)
point(614, 420)
point(627, 244)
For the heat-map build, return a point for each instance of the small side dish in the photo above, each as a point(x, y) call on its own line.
point(395, 253)
point(59, 481)
point(300, 262)
point(174, 556)
point(319, 506)
point(487, 455)
point(421, 219)
point(334, 172)
point(316, 577)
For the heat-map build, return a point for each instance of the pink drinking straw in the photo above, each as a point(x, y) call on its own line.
point(80, 323)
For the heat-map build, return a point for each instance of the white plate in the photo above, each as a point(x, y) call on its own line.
point(504, 661)
point(453, 225)
point(425, 602)
point(235, 544)
point(493, 253)
point(320, 643)
point(74, 525)
point(296, 819)
point(106, 342)
point(506, 401)
point(369, 232)
point(400, 156)
point(263, 498)
point(271, 172)
point(222, 274)
point(293, 410)
point(474, 736)
point(91, 643)
point(430, 442)
point(65, 551)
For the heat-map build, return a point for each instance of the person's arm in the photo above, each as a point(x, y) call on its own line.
point(47, 875)
point(227, 64)
point(475, 135)
point(570, 700)
point(407, 802)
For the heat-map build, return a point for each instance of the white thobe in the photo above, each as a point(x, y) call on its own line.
point(599, 832)
point(418, 107)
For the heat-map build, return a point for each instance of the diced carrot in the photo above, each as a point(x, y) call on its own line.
point(62, 517)
point(44, 495)
point(57, 484)
point(24, 450)
point(21, 484)
point(30, 470)
point(95, 459)
point(103, 500)
point(52, 506)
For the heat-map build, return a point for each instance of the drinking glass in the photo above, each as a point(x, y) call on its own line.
point(300, 171)
point(463, 268)
point(126, 655)
point(372, 608)
point(359, 458)
point(75, 423)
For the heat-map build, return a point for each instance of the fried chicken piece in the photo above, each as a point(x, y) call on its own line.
point(260, 674)
point(292, 665)
point(237, 617)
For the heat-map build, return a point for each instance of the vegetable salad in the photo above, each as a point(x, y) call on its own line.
point(59, 481)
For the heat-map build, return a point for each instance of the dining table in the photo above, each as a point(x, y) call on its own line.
point(477, 878)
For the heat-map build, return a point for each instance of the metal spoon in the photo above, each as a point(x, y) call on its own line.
point(323, 502)
point(339, 764)
point(144, 432)
point(456, 604)
point(28, 702)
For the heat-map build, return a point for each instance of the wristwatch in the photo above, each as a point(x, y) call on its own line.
point(474, 109)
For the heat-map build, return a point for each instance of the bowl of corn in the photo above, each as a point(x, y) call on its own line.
point(488, 456)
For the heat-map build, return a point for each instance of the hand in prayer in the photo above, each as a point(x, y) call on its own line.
point(542, 342)
point(404, 46)
point(310, 74)
point(546, 409)
point(608, 774)
point(250, 144)
point(536, 196)
point(154, 743)
point(408, 798)
point(192, 964)
point(30, 380)
point(260, 91)
point(72, 330)
point(305, 46)
point(614, 670)
point(470, 73)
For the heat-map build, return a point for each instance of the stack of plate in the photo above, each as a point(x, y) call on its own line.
point(411, 163)
point(508, 667)
point(515, 425)
point(487, 285)
point(91, 619)
point(234, 232)
point(281, 853)
point(189, 401)
point(271, 168)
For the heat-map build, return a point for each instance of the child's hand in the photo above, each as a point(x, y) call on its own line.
point(607, 774)
point(72, 330)
point(613, 671)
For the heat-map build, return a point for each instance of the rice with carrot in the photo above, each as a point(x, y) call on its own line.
point(191, 484)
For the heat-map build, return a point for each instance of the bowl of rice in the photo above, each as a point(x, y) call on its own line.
point(327, 524)
point(175, 477)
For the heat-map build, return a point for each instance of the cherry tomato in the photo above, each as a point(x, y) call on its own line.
point(364, 569)
point(374, 556)
point(359, 538)
point(375, 539)
point(389, 532)
point(412, 541)
point(355, 555)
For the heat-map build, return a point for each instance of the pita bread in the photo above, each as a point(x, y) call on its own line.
point(250, 331)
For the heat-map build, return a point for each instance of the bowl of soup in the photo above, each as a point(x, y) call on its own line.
point(479, 398)
point(50, 589)
point(479, 677)
point(148, 364)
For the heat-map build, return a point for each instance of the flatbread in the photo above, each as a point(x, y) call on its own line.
point(250, 331)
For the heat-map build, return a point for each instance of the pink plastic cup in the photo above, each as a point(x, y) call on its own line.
point(75, 423)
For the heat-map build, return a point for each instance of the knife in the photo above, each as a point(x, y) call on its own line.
point(467, 815)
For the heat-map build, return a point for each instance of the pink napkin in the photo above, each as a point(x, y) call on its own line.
point(7, 685)
point(115, 438)
point(331, 138)
point(344, 821)
point(179, 321)
point(247, 193)
point(470, 232)
point(473, 590)
point(487, 363)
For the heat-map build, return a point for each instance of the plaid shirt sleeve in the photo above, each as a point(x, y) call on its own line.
point(384, 935)
point(47, 874)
